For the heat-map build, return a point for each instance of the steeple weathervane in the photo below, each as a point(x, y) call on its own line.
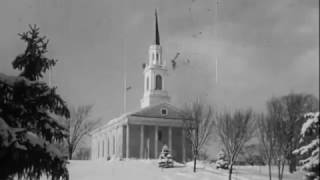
point(157, 37)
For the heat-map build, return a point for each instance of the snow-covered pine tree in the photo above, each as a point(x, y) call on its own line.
point(310, 148)
point(28, 128)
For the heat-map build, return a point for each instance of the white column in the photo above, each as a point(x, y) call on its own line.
point(156, 141)
point(98, 147)
point(120, 141)
point(114, 132)
point(170, 138)
point(101, 147)
point(117, 141)
point(183, 146)
point(141, 140)
point(148, 148)
point(107, 145)
point(128, 141)
point(93, 150)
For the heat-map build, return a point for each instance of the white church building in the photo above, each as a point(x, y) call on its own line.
point(143, 133)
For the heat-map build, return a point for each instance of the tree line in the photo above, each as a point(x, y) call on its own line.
point(277, 131)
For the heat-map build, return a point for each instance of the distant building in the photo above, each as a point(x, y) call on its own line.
point(143, 133)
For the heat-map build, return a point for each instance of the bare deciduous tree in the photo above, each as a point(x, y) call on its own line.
point(198, 126)
point(277, 124)
point(234, 131)
point(79, 125)
point(285, 116)
point(267, 136)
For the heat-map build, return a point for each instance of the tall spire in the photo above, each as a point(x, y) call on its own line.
point(157, 37)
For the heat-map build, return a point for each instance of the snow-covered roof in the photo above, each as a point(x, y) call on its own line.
point(153, 111)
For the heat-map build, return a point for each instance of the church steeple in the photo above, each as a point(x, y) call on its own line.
point(154, 74)
point(157, 36)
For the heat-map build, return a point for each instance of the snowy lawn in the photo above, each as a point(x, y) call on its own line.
point(148, 169)
point(261, 172)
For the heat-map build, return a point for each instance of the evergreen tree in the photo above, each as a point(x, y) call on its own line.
point(310, 145)
point(28, 111)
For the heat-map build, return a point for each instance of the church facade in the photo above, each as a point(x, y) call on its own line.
point(143, 133)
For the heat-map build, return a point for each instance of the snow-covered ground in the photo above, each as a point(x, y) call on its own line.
point(148, 170)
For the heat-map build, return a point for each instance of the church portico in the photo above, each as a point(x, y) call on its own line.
point(162, 135)
point(135, 136)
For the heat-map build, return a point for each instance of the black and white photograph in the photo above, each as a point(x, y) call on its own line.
point(159, 90)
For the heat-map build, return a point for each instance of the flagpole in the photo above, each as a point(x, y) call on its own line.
point(215, 36)
point(217, 70)
point(124, 78)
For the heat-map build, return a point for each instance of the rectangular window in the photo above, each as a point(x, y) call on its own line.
point(164, 112)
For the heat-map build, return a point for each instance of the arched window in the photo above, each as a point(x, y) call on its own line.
point(158, 82)
point(147, 85)
point(157, 55)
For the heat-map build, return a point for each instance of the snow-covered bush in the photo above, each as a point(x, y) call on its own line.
point(28, 128)
point(221, 160)
point(310, 147)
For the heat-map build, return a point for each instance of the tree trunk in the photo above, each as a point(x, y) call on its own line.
point(282, 168)
point(70, 152)
point(269, 166)
point(279, 170)
point(230, 170)
point(194, 163)
point(196, 148)
point(292, 164)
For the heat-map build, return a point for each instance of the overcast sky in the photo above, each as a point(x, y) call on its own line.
point(264, 48)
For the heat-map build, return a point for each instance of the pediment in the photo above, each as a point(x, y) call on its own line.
point(164, 110)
